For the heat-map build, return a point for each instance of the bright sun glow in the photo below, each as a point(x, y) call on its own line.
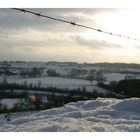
point(123, 22)
point(128, 51)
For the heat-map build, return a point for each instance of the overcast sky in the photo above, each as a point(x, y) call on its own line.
point(27, 37)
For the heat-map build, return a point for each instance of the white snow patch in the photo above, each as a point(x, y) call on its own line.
point(9, 102)
point(114, 76)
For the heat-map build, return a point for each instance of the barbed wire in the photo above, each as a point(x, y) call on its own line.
point(73, 23)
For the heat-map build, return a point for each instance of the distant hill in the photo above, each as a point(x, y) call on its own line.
point(117, 65)
point(103, 65)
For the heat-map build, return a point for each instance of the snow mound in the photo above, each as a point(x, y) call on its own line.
point(129, 105)
point(84, 116)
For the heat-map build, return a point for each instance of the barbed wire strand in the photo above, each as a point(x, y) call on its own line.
point(73, 23)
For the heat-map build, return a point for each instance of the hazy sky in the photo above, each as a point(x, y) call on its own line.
point(27, 37)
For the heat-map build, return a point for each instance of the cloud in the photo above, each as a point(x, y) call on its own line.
point(15, 19)
point(94, 44)
point(27, 37)
point(138, 46)
point(32, 40)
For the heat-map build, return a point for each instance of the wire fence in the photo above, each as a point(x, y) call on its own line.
point(73, 23)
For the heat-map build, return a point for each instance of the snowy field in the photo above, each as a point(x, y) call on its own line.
point(9, 102)
point(93, 115)
point(64, 82)
point(51, 81)
point(114, 76)
point(58, 82)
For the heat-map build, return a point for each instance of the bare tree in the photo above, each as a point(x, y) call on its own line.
point(99, 76)
point(91, 76)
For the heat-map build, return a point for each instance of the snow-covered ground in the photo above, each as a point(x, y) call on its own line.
point(92, 115)
point(58, 82)
point(114, 76)
point(15, 116)
point(63, 82)
point(9, 102)
point(51, 81)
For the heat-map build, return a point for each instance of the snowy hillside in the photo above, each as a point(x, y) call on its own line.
point(93, 115)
